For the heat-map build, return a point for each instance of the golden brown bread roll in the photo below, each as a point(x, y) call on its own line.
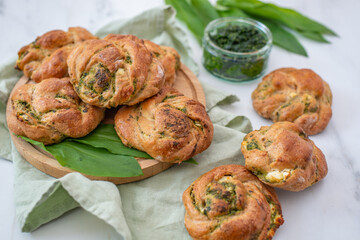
point(295, 95)
point(117, 70)
point(50, 111)
point(170, 127)
point(169, 58)
point(230, 203)
point(46, 56)
point(283, 156)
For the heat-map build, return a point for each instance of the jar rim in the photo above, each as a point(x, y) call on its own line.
point(258, 25)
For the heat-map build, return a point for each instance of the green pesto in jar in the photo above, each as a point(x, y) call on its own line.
point(236, 49)
point(237, 38)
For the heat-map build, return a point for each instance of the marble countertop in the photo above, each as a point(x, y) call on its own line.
point(328, 210)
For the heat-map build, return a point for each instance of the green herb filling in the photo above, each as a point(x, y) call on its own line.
point(237, 38)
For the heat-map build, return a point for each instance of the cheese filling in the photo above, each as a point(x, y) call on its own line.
point(278, 176)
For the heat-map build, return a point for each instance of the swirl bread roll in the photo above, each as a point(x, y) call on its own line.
point(294, 95)
point(117, 70)
point(283, 156)
point(170, 127)
point(169, 58)
point(230, 203)
point(46, 56)
point(50, 111)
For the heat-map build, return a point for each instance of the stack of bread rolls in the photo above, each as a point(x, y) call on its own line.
point(76, 76)
point(234, 202)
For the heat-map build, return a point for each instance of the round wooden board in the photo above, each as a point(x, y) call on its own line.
point(186, 82)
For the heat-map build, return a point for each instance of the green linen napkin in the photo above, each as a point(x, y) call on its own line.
point(148, 209)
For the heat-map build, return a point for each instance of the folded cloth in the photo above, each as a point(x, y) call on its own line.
point(40, 198)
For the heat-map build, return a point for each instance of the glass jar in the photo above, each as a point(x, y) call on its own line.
point(231, 65)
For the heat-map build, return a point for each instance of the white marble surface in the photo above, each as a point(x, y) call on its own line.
point(328, 210)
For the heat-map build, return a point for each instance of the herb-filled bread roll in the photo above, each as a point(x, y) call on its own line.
point(230, 203)
point(295, 95)
point(169, 58)
point(46, 56)
point(281, 155)
point(116, 70)
point(50, 111)
point(169, 126)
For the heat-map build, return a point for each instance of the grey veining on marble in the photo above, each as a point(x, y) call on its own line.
point(328, 210)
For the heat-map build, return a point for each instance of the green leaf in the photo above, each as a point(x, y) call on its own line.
point(91, 160)
point(231, 12)
point(289, 17)
point(299, 22)
point(191, 161)
point(205, 10)
point(314, 36)
point(94, 161)
point(283, 38)
point(104, 136)
point(33, 142)
point(189, 16)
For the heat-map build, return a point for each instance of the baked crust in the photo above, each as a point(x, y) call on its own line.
point(168, 57)
point(50, 111)
point(295, 95)
point(281, 155)
point(46, 56)
point(230, 203)
point(117, 70)
point(170, 127)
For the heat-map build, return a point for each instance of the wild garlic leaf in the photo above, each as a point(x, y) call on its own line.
point(191, 161)
point(90, 160)
point(188, 15)
point(289, 17)
point(104, 136)
point(284, 39)
point(314, 36)
point(94, 161)
point(205, 10)
point(232, 12)
point(33, 142)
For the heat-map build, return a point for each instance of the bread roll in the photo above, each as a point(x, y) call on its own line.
point(50, 111)
point(230, 203)
point(46, 56)
point(295, 95)
point(283, 156)
point(169, 58)
point(117, 70)
point(170, 127)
